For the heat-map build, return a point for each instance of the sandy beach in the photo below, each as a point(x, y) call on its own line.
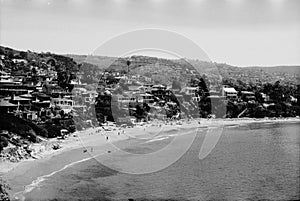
point(87, 144)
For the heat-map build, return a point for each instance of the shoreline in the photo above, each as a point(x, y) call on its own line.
point(76, 142)
point(73, 148)
point(71, 143)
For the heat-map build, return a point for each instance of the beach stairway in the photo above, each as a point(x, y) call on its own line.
point(245, 110)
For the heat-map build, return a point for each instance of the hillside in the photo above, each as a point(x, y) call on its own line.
point(279, 69)
point(104, 62)
point(286, 74)
point(68, 62)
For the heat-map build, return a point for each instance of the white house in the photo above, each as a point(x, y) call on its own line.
point(90, 96)
point(63, 103)
point(191, 91)
point(20, 61)
point(229, 92)
point(145, 98)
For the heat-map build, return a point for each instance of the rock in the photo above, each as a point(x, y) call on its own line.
point(56, 146)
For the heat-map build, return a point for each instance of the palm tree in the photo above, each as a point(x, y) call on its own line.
point(128, 64)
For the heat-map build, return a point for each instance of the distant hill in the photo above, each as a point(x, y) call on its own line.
point(113, 63)
point(104, 62)
point(279, 69)
point(265, 74)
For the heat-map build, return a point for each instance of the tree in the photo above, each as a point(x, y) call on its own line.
point(128, 64)
point(232, 110)
point(258, 97)
point(34, 71)
point(240, 86)
point(3, 143)
point(10, 54)
point(202, 86)
point(146, 107)
point(228, 82)
point(194, 82)
point(111, 80)
point(1, 51)
point(23, 55)
point(139, 112)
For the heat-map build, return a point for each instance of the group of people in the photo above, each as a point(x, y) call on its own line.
point(102, 132)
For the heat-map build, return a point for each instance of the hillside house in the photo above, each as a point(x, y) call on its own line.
point(145, 98)
point(17, 61)
point(90, 97)
point(229, 92)
point(22, 103)
point(65, 104)
point(41, 100)
point(247, 95)
point(191, 91)
point(265, 97)
point(6, 106)
point(123, 100)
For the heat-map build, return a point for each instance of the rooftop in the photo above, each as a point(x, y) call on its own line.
point(247, 92)
point(17, 98)
point(230, 90)
point(4, 103)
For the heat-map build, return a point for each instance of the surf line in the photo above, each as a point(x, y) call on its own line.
point(156, 139)
point(40, 179)
point(163, 137)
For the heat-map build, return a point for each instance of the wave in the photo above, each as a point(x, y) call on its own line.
point(35, 183)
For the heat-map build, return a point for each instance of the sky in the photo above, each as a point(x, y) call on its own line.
point(236, 32)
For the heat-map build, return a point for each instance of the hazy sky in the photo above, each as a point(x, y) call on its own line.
point(237, 32)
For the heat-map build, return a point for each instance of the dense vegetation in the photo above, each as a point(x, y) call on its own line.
point(280, 103)
point(29, 131)
point(25, 129)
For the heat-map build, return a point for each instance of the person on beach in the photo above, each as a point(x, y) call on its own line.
point(106, 137)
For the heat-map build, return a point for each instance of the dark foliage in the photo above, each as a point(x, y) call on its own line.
point(19, 126)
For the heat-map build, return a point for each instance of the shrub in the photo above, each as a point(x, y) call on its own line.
point(3, 143)
point(3, 190)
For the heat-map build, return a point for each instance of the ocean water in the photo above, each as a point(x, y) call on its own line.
point(250, 162)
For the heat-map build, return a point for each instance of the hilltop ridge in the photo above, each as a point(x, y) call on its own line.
point(75, 63)
point(286, 74)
